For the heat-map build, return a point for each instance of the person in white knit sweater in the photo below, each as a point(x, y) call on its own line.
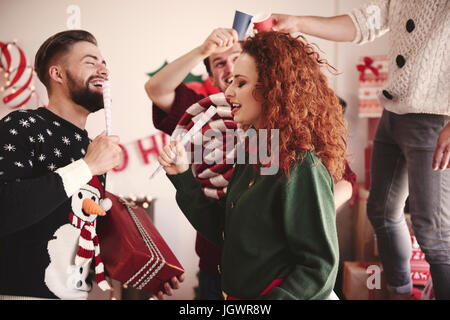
point(411, 152)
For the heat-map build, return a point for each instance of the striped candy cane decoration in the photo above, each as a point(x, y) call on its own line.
point(19, 88)
point(214, 171)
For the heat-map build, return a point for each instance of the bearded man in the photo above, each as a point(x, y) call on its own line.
point(49, 169)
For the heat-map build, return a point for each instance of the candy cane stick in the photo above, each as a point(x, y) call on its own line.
point(107, 106)
point(196, 128)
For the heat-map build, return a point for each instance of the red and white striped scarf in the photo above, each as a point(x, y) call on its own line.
point(88, 246)
point(213, 175)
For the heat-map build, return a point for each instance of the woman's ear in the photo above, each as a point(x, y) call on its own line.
point(258, 92)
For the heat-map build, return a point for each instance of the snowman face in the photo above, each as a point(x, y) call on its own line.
point(86, 192)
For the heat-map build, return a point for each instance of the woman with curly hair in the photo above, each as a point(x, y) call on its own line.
point(278, 231)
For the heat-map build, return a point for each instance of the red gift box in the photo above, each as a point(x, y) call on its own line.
point(373, 74)
point(372, 125)
point(367, 160)
point(420, 269)
point(358, 286)
point(132, 249)
point(420, 276)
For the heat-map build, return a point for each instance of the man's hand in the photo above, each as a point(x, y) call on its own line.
point(441, 157)
point(219, 40)
point(103, 154)
point(285, 23)
point(174, 284)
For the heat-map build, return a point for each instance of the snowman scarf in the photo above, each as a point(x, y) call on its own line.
point(88, 246)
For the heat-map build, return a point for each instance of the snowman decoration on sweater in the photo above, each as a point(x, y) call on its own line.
point(75, 245)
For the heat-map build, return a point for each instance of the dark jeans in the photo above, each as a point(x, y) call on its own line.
point(402, 164)
point(209, 286)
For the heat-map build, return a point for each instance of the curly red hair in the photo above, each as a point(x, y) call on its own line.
point(298, 101)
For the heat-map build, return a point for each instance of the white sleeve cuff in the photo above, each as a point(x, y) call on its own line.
point(371, 20)
point(358, 36)
point(74, 176)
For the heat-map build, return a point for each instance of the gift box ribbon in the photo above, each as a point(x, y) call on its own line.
point(367, 65)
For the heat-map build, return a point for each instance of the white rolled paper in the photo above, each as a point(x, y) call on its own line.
point(107, 106)
point(195, 128)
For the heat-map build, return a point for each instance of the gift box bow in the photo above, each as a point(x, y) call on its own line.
point(367, 65)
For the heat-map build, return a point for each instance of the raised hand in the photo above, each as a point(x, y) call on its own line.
point(219, 40)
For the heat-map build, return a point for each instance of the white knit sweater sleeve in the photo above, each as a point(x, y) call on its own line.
point(371, 20)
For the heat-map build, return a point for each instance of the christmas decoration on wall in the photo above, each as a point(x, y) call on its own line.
point(19, 87)
point(373, 75)
point(148, 149)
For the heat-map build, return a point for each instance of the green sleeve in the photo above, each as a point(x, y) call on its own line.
point(310, 227)
point(205, 214)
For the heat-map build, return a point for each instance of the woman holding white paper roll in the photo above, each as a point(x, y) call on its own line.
point(171, 98)
point(278, 231)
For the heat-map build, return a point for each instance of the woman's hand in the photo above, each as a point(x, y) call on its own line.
point(173, 158)
point(286, 23)
point(441, 157)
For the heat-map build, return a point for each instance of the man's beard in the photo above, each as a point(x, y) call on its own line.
point(83, 96)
